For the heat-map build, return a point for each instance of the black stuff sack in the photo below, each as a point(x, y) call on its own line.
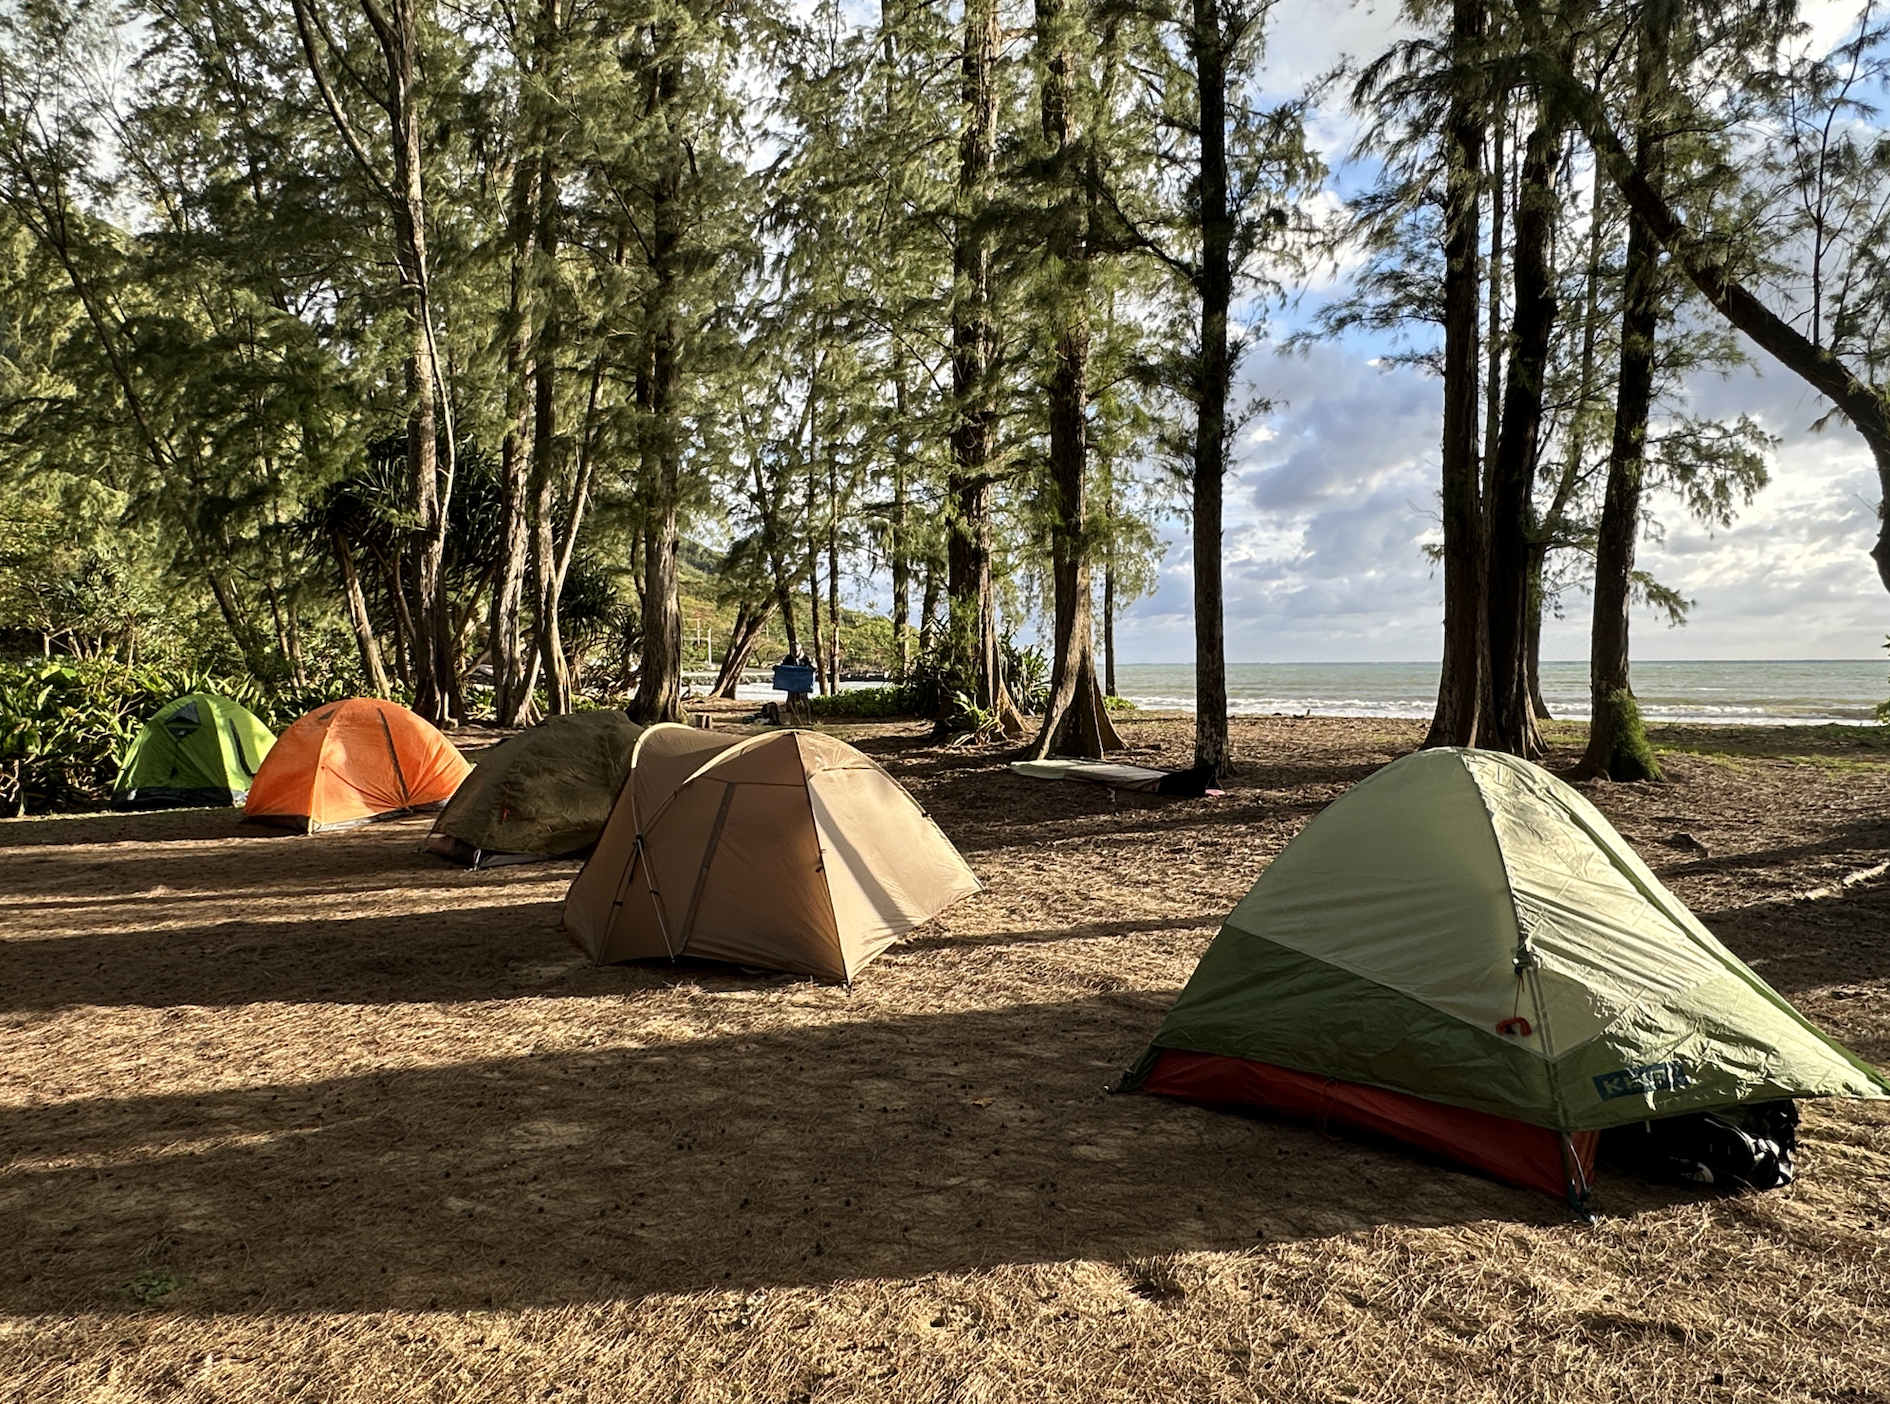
point(1748, 1147)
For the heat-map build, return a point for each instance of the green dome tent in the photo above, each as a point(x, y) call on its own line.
point(1462, 953)
point(198, 750)
point(544, 793)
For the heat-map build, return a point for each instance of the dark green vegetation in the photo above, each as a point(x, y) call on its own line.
point(65, 725)
point(395, 347)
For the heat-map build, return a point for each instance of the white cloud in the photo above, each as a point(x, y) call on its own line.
point(1328, 513)
point(1333, 496)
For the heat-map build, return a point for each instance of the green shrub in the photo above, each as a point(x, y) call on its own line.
point(1119, 705)
point(864, 702)
point(65, 724)
point(64, 727)
point(1026, 674)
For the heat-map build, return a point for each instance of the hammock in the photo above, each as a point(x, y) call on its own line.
point(1191, 783)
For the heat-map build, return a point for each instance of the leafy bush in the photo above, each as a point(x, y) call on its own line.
point(886, 701)
point(1118, 704)
point(64, 727)
point(65, 724)
point(1027, 674)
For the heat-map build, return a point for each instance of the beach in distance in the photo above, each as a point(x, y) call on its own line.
point(1747, 692)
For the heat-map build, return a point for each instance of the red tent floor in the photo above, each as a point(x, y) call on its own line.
point(1512, 1151)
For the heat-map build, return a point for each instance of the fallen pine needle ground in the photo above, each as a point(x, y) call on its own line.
point(295, 1118)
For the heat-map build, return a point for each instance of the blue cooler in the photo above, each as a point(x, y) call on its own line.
point(788, 678)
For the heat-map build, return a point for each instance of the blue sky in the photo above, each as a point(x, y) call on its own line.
point(1332, 496)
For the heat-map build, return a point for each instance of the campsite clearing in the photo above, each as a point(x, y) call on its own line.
point(330, 1119)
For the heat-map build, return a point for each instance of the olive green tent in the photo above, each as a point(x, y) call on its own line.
point(1464, 930)
point(198, 750)
point(544, 793)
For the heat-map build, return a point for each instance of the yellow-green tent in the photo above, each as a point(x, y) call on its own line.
point(198, 749)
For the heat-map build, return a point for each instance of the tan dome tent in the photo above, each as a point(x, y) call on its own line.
point(544, 793)
point(789, 850)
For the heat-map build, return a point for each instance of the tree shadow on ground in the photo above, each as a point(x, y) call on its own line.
point(785, 1156)
point(1809, 945)
point(1827, 841)
point(130, 826)
point(416, 954)
point(373, 856)
point(986, 810)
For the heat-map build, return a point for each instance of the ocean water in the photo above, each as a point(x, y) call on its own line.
point(1750, 693)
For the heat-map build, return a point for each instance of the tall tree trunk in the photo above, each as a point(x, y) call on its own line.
point(392, 582)
point(511, 697)
point(1457, 719)
point(437, 694)
point(1551, 530)
point(511, 693)
point(546, 451)
point(279, 622)
point(928, 609)
point(833, 574)
point(1215, 288)
point(768, 508)
point(814, 630)
point(659, 681)
point(1532, 637)
point(544, 546)
point(1511, 726)
point(750, 618)
point(358, 617)
point(901, 563)
point(974, 347)
point(1617, 745)
point(784, 601)
point(1074, 721)
point(898, 552)
point(1493, 342)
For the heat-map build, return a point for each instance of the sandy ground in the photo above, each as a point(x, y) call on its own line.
point(324, 1118)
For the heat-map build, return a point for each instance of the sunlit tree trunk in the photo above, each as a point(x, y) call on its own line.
point(969, 581)
point(1511, 726)
point(1617, 745)
point(1209, 45)
point(358, 618)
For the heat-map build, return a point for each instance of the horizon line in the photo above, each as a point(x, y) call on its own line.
point(1437, 663)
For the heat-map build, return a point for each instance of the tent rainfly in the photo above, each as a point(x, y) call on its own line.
point(544, 793)
point(790, 850)
point(352, 762)
point(1462, 954)
point(198, 749)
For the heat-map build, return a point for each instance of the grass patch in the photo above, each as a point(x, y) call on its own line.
point(864, 703)
point(1857, 748)
point(152, 1286)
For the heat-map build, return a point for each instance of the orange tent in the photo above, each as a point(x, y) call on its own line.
point(351, 762)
